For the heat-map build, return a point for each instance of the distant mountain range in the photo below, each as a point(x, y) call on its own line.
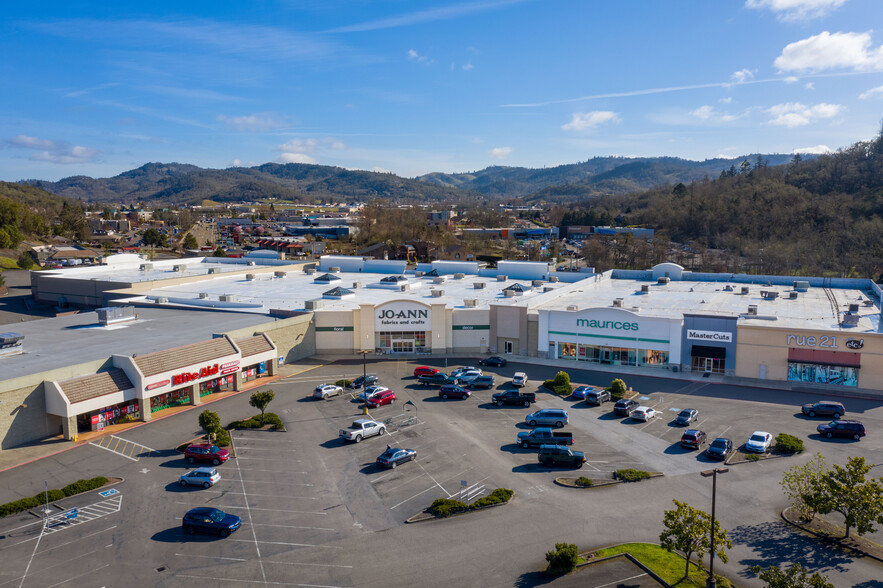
point(175, 183)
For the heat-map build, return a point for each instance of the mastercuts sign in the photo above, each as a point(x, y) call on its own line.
point(718, 336)
point(402, 317)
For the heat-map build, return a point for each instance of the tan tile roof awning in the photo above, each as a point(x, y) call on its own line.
point(254, 345)
point(185, 356)
point(95, 385)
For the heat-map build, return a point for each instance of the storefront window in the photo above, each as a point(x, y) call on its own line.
point(823, 374)
point(401, 342)
point(170, 399)
point(567, 351)
point(222, 384)
point(97, 420)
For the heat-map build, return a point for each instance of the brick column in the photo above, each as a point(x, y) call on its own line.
point(69, 427)
point(195, 398)
point(237, 380)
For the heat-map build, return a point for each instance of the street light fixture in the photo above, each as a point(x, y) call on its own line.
point(364, 353)
point(711, 582)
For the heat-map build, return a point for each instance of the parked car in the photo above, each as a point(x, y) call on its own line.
point(693, 439)
point(579, 393)
point(824, 408)
point(205, 477)
point(552, 455)
point(362, 429)
point(394, 456)
point(482, 382)
point(519, 379)
point(597, 396)
point(210, 520)
point(643, 413)
point(453, 391)
point(465, 371)
point(759, 442)
point(493, 361)
point(381, 399)
point(550, 417)
point(514, 397)
point(424, 370)
point(326, 391)
point(371, 391)
point(467, 378)
point(842, 428)
point(206, 452)
point(366, 380)
point(687, 416)
point(624, 407)
point(543, 436)
point(720, 448)
point(436, 379)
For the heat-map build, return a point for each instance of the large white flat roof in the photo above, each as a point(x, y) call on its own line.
point(129, 271)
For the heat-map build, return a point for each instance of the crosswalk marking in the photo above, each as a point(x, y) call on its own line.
point(124, 447)
point(60, 522)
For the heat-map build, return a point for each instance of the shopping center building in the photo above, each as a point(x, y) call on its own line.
point(167, 333)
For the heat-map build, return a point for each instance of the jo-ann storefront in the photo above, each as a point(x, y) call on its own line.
point(137, 387)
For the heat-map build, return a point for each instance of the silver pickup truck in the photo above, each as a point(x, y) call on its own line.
point(362, 428)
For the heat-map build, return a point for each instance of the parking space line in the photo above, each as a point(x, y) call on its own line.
point(619, 582)
point(191, 504)
point(253, 534)
point(276, 482)
point(79, 576)
point(265, 459)
point(276, 471)
point(261, 495)
point(273, 449)
point(291, 544)
point(112, 451)
point(188, 555)
point(254, 581)
point(292, 563)
point(291, 527)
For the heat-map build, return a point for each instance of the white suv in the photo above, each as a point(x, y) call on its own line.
point(519, 379)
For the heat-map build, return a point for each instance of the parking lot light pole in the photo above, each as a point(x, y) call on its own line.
point(364, 353)
point(711, 582)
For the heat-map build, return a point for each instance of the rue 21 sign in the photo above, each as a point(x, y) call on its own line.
point(402, 316)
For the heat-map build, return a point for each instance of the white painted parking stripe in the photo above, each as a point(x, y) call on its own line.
point(261, 495)
point(291, 527)
point(253, 534)
point(191, 504)
point(276, 482)
point(291, 544)
point(276, 471)
point(188, 556)
point(80, 576)
point(291, 563)
point(112, 451)
point(254, 581)
point(621, 581)
point(273, 449)
point(265, 459)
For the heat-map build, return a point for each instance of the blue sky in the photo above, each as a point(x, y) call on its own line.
point(98, 88)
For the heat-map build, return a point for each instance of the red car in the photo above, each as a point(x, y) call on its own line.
point(424, 370)
point(206, 452)
point(385, 397)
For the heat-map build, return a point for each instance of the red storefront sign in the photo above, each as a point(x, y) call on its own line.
point(205, 372)
point(94, 419)
point(230, 364)
point(156, 385)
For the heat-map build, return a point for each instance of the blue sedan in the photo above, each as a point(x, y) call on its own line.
point(580, 392)
point(210, 520)
point(393, 456)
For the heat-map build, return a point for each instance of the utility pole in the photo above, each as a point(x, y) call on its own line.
point(364, 353)
point(711, 582)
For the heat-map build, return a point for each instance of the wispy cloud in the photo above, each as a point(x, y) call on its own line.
point(742, 76)
point(152, 112)
point(259, 122)
point(794, 10)
point(580, 121)
point(499, 152)
point(416, 57)
point(872, 93)
point(709, 113)
point(302, 150)
point(53, 151)
point(426, 16)
point(84, 91)
point(817, 150)
point(795, 114)
point(831, 51)
point(192, 93)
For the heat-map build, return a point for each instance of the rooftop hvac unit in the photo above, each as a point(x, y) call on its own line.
point(868, 302)
point(536, 283)
point(437, 293)
point(572, 308)
point(404, 287)
point(419, 274)
point(801, 285)
point(728, 288)
point(214, 270)
point(228, 298)
point(769, 294)
point(502, 278)
point(645, 288)
point(853, 308)
point(470, 302)
point(249, 263)
point(310, 271)
point(553, 279)
point(548, 288)
point(663, 280)
point(357, 285)
point(744, 289)
point(179, 267)
point(249, 277)
point(115, 314)
point(8, 340)
point(162, 300)
point(479, 285)
point(280, 274)
point(752, 310)
point(849, 320)
point(203, 295)
point(439, 280)
point(617, 303)
point(459, 276)
point(333, 269)
point(316, 304)
point(146, 267)
point(792, 295)
point(509, 293)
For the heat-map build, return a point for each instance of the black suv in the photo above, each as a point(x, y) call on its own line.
point(693, 438)
point(493, 361)
point(824, 408)
point(361, 381)
point(842, 428)
point(625, 407)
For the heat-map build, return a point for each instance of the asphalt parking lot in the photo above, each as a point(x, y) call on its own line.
point(315, 509)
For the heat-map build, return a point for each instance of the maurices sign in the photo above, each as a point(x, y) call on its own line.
point(402, 316)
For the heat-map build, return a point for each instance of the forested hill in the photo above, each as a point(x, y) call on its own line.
point(820, 216)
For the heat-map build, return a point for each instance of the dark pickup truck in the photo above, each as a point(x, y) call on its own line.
point(436, 379)
point(553, 455)
point(514, 397)
point(544, 436)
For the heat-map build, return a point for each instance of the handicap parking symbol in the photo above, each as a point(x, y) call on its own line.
point(110, 492)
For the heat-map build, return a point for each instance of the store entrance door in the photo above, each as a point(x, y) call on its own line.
point(403, 346)
point(708, 364)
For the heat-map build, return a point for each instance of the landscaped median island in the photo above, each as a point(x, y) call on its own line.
point(78, 487)
point(667, 565)
point(442, 508)
point(785, 446)
point(617, 477)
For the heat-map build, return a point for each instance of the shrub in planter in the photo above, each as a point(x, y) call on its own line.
point(584, 482)
point(563, 559)
point(560, 385)
point(788, 443)
point(631, 475)
point(496, 497)
point(343, 383)
point(445, 507)
point(222, 438)
point(752, 457)
point(617, 389)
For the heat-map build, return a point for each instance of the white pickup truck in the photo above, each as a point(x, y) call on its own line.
point(361, 429)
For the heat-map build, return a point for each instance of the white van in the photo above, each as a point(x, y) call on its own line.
point(519, 379)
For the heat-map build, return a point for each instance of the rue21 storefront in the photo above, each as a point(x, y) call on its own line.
point(610, 336)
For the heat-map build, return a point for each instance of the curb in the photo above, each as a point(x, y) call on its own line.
point(424, 516)
point(828, 540)
point(566, 482)
point(112, 481)
point(629, 557)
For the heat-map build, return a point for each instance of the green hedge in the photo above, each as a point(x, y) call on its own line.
point(631, 475)
point(584, 482)
point(343, 383)
point(77, 487)
point(617, 389)
point(788, 443)
point(270, 418)
point(560, 385)
point(222, 438)
point(445, 507)
point(563, 559)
